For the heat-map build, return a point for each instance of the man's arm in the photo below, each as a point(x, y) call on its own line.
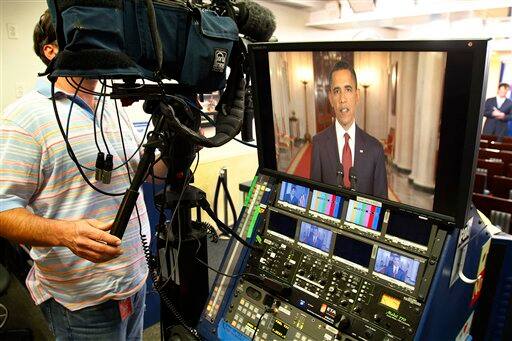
point(488, 108)
point(316, 164)
point(380, 179)
point(85, 238)
point(507, 111)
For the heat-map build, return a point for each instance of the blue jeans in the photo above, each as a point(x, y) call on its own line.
point(99, 322)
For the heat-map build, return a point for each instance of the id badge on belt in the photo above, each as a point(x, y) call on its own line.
point(125, 308)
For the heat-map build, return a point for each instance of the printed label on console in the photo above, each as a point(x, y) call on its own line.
point(395, 316)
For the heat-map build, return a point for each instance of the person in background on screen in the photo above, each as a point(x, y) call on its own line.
point(345, 147)
point(498, 111)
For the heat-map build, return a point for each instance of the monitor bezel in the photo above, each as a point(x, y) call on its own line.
point(458, 143)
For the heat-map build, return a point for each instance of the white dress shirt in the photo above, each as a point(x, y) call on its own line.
point(499, 101)
point(340, 137)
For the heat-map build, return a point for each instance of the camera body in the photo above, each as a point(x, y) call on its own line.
point(152, 40)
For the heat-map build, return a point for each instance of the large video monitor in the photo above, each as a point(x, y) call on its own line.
point(397, 120)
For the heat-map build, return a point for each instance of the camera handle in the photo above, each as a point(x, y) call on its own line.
point(132, 193)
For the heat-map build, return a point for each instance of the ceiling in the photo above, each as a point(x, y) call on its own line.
point(432, 18)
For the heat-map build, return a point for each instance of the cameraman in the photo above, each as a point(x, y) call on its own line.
point(87, 282)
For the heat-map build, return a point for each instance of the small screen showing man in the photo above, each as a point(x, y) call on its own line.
point(294, 194)
point(343, 154)
point(396, 266)
point(315, 236)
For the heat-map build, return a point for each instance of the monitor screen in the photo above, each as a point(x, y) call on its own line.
point(353, 250)
point(328, 204)
point(388, 119)
point(293, 194)
point(409, 227)
point(315, 236)
point(396, 266)
point(363, 214)
point(282, 224)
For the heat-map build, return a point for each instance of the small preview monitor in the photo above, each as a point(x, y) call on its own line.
point(363, 214)
point(409, 227)
point(327, 204)
point(292, 194)
point(353, 251)
point(282, 224)
point(315, 236)
point(395, 266)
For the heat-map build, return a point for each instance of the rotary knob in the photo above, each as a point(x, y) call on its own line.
point(344, 323)
point(358, 308)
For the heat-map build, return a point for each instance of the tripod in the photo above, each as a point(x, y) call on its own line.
point(182, 281)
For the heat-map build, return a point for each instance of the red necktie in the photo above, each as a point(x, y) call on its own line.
point(346, 159)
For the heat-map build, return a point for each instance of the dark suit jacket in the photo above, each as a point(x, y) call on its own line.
point(400, 275)
point(292, 200)
point(369, 162)
point(492, 125)
point(318, 243)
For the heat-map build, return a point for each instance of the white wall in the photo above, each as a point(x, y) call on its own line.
point(19, 64)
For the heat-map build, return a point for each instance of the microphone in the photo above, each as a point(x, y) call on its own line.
point(353, 178)
point(248, 117)
point(339, 177)
point(255, 21)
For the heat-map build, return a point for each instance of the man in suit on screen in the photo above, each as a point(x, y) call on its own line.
point(394, 268)
point(345, 149)
point(315, 238)
point(290, 197)
point(498, 111)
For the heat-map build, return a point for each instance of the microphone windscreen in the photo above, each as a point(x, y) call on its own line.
point(255, 21)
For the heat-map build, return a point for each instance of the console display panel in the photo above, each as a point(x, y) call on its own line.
point(352, 114)
point(390, 301)
point(293, 195)
point(409, 227)
point(396, 267)
point(363, 214)
point(352, 250)
point(315, 236)
point(282, 224)
point(326, 204)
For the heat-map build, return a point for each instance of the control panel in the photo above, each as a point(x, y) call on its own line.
point(343, 269)
point(338, 295)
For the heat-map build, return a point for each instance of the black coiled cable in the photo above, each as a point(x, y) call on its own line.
point(163, 295)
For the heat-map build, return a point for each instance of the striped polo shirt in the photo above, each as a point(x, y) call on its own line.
point(37, 173)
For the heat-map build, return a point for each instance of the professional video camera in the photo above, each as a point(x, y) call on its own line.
point(184, 48)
